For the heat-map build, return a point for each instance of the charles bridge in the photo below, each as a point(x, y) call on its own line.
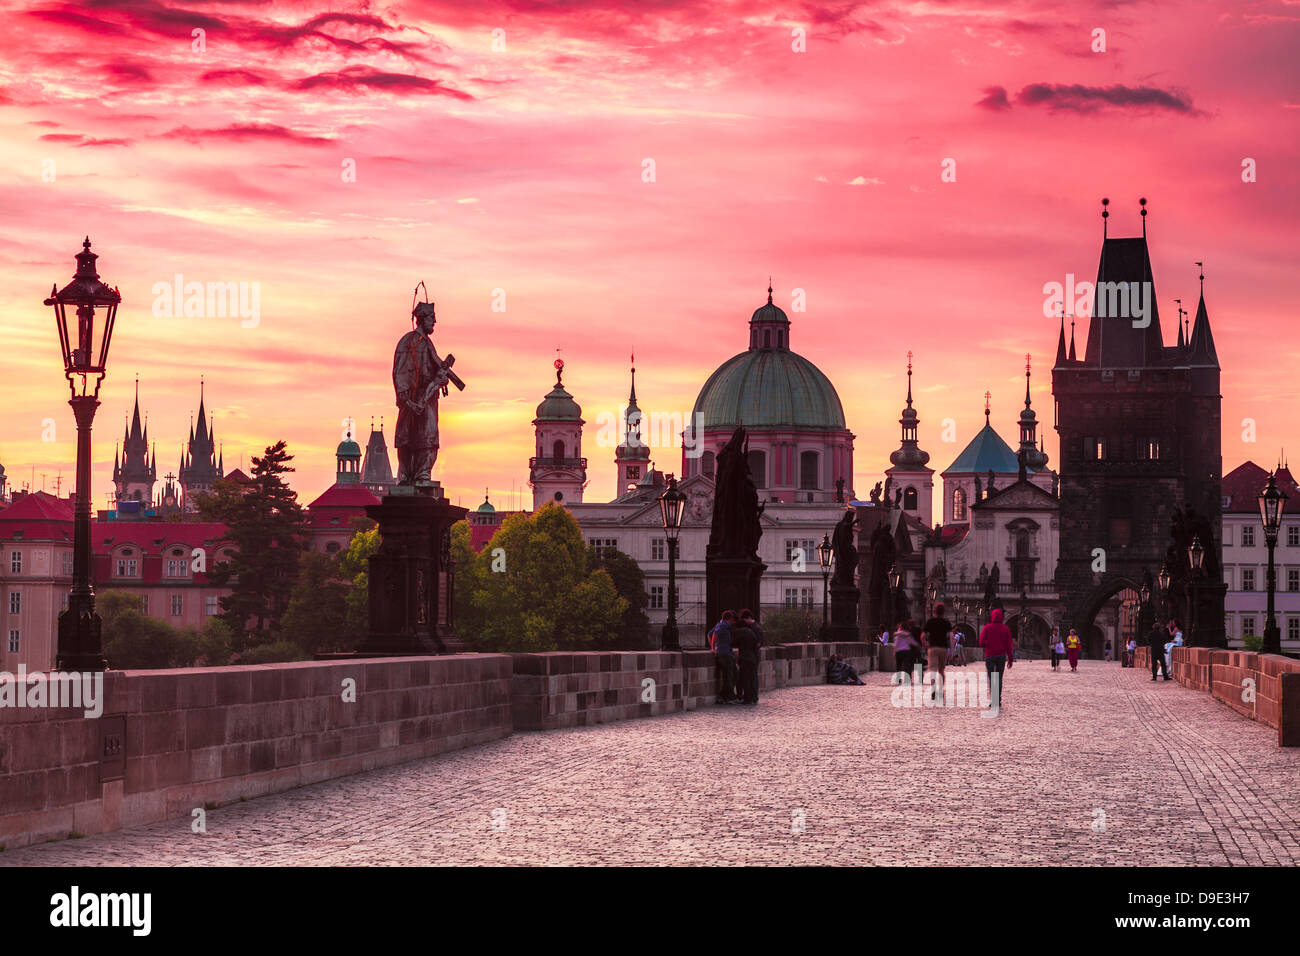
point(522, 758)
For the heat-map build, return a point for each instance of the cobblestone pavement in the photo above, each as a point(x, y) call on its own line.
point(1099, 767)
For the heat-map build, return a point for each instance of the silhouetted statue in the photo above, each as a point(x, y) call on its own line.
point(846, 554)
point(419, 377)
point(736, 529)
point(882, 559)
point(875, 494)
point(991, 588)
point(991, 489)
point(839, 489)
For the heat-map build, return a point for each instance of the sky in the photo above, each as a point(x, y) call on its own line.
point(608, 178)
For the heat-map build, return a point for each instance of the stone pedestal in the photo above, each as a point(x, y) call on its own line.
point(730, 584)
point(411, 578)
point(1206, 626)
point(844, 613)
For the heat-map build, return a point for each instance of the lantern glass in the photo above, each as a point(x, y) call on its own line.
point(85, 301)
point(1271, 503)
point(894, 577)
point(824, 553)
point(1196, 554)
point(1163, 577)
point(671, 506)
point(1145, 594)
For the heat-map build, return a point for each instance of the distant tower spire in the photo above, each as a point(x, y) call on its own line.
point(987, 396)
point(1072, 352)
point(1182, 342)
point(1143, 204)
point(1105, 214)
point(769, 290)
point(909, 378)
point(1201, 266)
point(1026, 380)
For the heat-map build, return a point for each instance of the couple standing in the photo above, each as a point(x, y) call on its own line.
point(735, 641)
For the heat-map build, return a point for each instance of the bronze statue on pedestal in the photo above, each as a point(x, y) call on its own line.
point(419, 377)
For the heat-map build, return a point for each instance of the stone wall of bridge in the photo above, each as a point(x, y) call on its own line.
point(1263, 687)
point(173, 741)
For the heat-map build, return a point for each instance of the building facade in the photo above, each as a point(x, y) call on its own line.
point(1245, 557)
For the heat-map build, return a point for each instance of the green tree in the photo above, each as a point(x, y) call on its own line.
point(629, 581)
point(468, 619)
point(265, 522)
point(354, 567)
point(545, 597)
point(316, 615)
point(135, 641)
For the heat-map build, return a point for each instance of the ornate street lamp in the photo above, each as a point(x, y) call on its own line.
point(1162, 579)
point(933, 593)
point(672, 504)
point(824, 558)
point(1272, 501)
point(1196, 561)
point(85, 358)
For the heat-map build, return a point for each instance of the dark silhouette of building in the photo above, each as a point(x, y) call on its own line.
point(201, 464)
point(376, 471)
point(1139, 425)
point(135, 471)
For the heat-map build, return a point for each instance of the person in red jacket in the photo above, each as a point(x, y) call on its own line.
point(999, 654)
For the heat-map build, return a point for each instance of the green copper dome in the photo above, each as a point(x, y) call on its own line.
point(558, 405)
point(348, 448)
point(768, 385)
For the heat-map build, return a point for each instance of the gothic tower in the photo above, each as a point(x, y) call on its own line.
point(200, 464)
point(908, 472)
point(134, 474)
point(376, 470)
point(558, 472)
point(632, 457)
point(1139, 424)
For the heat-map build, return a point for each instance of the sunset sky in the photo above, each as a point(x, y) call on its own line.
point(521, 169)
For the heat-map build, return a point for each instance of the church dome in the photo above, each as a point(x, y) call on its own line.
point(348, 448)
point(558, 405)
point(768, 385)
point(486, 507)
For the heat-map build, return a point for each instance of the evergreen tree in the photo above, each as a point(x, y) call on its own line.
point(265, 523)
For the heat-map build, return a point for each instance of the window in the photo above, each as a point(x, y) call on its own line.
point(332, 547)
point(1227, 534)
point(1248, 536)
point(126, 567)
point(1293, 579)
point(706, 464)
point(1293, 628)
point(1293, 536)
point(657, 598)
point(959, 504)
point(909, 499)
point(601, 545)
point(1100, 449)
point(16, 562)
point(1248, 626)
point(178, 603)
point(210, 608)
point(557, 450)
point(13, 640)
point(795, 548)
point(791, 597)
point(634, 471)
point(808, 470)
point(1248, 579)
point(1153, 449)
point(15, 602)
point(176, 567)
point(656, 549)
point(758, 468)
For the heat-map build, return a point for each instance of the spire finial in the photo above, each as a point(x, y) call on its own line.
point(1027, 364)
point(987, 396)
point(1201, 267)
point(909, 378)
point(769, 290)
point(1105, 214)
point(1143, 204)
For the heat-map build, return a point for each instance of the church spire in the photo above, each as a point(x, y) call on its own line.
point(909, 455)
point(1030, 454)
point(1182, 341)
point(1061, 354)
point(1073, 354)
point(1201, 344)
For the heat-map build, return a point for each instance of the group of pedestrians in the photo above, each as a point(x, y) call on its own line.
point(735, 641)
point(1161, 643)
point(1069, 648)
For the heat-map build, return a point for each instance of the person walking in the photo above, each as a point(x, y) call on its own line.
point(747, 642)
point(936, 633)
point(1072, 647)
point(1058, 649)
point(903, 654)
point(999, 655)
point(1108, 651)
point(955, 655)
point(720, 639)
point(1156, 644)
point(1130, 651)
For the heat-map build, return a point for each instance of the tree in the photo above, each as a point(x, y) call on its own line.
point(629, 581)
point(468, 620)
point(543, 596)
point(135, 641)
point(264, 521)
point(354, 567)
point(316, 615)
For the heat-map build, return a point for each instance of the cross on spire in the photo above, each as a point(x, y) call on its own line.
point(987, 396)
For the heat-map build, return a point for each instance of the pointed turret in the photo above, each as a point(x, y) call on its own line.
point(1201, 346)
point(1062, 356)
point(908, 470)
point(1073, 355)
point(632, 455)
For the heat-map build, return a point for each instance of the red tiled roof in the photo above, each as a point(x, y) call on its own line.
point(951, 534)
point(339, 501)
point(37, 517)
point(153, 542)
point(1242, 485)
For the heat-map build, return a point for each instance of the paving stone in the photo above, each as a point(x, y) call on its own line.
point(1102, 767)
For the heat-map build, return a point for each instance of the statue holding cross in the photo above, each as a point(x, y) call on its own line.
point(420, 376)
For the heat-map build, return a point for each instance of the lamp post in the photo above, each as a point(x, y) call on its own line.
point(84, 363)
point(933, 593)
point(1163, 580)
point(894, 578)
point(1272, 501)
point(1196, 561)
point(824, 558)
point(671, 505)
